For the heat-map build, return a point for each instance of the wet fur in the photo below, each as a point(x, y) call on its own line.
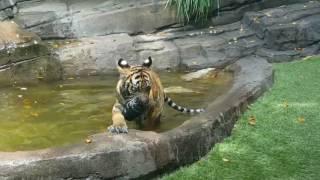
point(144, 106)
point(140, 97)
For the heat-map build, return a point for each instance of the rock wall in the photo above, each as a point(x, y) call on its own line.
point(24, 58)
point(233, 10)
point(288, 27)
point(106, 30)
point(81, 18)
point(278, 34)
point(7, 9)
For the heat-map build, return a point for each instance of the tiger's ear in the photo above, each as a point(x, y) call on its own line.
point(123, 64)
point(147, 62)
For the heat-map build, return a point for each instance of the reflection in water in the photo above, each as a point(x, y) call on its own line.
point(46, 115)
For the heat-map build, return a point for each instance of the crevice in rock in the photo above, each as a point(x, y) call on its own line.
point(7, 66)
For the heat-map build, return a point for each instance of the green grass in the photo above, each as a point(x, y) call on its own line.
point(284, 143)
point(193, 10)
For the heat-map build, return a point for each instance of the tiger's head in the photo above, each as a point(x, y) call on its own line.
point(135, 79)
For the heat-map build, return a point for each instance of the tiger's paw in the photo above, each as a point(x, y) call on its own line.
point(118, 129)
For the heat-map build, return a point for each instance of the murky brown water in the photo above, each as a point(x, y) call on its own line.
point(48, 115)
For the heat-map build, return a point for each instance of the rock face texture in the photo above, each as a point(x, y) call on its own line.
point(134, 30)
point(232, 10)
point(91, 56)
point(170, 49)
point(24, 58)
point(82, 18)
point(278, 34)
point(288, 27)
point(7, 9)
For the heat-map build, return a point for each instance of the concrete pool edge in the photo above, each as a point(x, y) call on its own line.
point(145, 153)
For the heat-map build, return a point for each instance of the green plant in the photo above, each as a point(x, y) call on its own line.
point(193, 10)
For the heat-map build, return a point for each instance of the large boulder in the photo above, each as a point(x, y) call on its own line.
point(7, 9)
point(287, 27)
point(4, 4)
point(17, 45)
point(91, 56)
point(230, 11)
point(99, 55)
point(24, 58)
point(81, 18)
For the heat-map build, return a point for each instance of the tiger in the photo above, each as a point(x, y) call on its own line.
point(140, 97)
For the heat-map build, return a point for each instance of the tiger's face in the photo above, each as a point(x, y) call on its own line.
point(134, 79)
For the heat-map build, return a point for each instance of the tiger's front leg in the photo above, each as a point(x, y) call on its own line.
point(119, 124)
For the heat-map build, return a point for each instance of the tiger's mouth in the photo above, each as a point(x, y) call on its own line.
point(135, 107)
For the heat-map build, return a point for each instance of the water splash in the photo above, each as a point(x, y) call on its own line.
point(10, 46)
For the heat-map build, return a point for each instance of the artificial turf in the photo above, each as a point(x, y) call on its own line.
point(277, 138)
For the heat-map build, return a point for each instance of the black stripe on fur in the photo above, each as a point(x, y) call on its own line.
point(181, 109)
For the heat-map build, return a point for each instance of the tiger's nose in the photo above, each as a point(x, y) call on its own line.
point(145, 86)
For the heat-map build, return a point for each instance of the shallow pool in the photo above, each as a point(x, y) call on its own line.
point(66, 112)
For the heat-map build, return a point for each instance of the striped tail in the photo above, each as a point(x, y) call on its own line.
point(182, 109)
